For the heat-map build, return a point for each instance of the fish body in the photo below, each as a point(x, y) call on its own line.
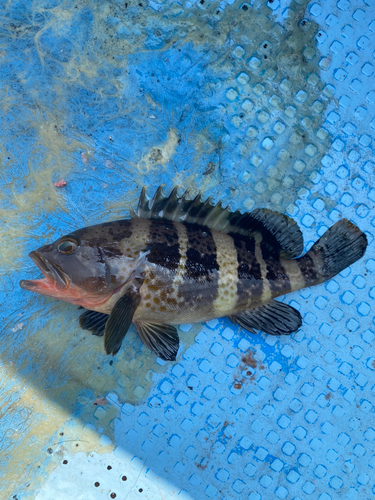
point(184, 261)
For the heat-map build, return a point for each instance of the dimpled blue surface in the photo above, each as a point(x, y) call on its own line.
point(237, 416)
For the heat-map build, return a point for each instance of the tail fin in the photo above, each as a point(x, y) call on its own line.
point(339, 247)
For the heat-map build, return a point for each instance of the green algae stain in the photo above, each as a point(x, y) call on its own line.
point(268, 76)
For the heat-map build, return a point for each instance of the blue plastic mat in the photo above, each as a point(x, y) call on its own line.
point(258, 104)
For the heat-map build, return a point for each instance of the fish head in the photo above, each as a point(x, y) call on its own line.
point(85, 267)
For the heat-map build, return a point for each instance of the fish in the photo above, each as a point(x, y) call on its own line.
point(181, 260)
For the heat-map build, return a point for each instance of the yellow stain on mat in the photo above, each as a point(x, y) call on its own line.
point(159, 155)
point(33, 434)
point(53, 386)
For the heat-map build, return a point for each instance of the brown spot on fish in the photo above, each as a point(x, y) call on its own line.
point(328, 396)
point(237, 386)
point(163, 260)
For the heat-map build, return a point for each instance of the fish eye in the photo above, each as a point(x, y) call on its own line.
point(67, 246)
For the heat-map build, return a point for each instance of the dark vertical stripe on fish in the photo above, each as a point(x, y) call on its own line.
point(308, 270)
point(250, 284)
point(164, 245)
point(277, 276)
point(201, 253)
point(201, 262)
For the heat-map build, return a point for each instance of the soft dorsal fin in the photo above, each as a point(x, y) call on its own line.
point(281, 232)
point(284, 232)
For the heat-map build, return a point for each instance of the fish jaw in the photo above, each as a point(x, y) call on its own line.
point(71, 294)
point(43, 286)
point(55, 280)
point(57, 284)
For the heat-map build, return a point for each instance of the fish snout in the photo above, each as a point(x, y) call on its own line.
point(52, 272)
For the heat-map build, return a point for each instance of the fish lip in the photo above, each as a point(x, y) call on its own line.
point(52, 272)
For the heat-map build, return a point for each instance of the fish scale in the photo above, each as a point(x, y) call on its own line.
point(181, 261)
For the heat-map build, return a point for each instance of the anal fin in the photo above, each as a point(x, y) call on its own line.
point(94, 322)
point(275, 318)
point(159, 338)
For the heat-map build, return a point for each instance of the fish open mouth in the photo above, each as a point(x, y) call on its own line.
point(54, 277)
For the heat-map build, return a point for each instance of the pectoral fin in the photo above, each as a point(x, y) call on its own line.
point(161, 339)
point(94, 322)
point(275, 318)
point(120, 320)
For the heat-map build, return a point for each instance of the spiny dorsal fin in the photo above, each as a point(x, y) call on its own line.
point(280, 230)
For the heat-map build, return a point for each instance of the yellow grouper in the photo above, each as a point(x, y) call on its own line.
point(182, 261)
